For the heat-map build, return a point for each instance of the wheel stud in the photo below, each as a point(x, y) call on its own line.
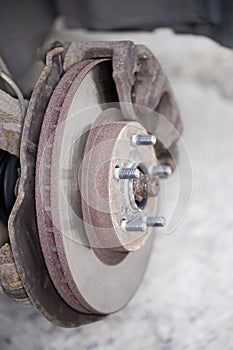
point(133, 226)
point(126, 173)
point(163, 171)
point(155, 221)
point(143, 140)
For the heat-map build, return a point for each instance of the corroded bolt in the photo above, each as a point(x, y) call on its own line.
point(163, 171)
point(143, 140)
point(126, 173)
point(144, 187)
point(133, 226)
point(152, 221)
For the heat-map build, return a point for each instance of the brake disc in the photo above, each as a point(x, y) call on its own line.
point(81, 226)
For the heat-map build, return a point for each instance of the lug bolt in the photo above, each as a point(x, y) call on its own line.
point(163, 171)
point(155, 221)
point(143, 140)
point(126, 173)
point(133, 226)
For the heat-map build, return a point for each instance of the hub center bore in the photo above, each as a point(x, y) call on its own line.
point(140, 190)
point(144, 187)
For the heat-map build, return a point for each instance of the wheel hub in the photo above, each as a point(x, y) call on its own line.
point(108, 201)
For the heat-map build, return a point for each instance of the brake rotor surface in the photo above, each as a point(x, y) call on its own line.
point(86, 282)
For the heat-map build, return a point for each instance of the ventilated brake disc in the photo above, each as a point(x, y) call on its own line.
point(81, 227)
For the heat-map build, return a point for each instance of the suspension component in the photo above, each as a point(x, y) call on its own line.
point(9, 172)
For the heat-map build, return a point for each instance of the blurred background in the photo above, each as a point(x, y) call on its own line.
point(186, 299)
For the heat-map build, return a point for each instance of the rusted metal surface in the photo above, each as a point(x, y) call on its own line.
point(144, 187)
point(11, 124)
point(12, 112)
point(10, 280)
